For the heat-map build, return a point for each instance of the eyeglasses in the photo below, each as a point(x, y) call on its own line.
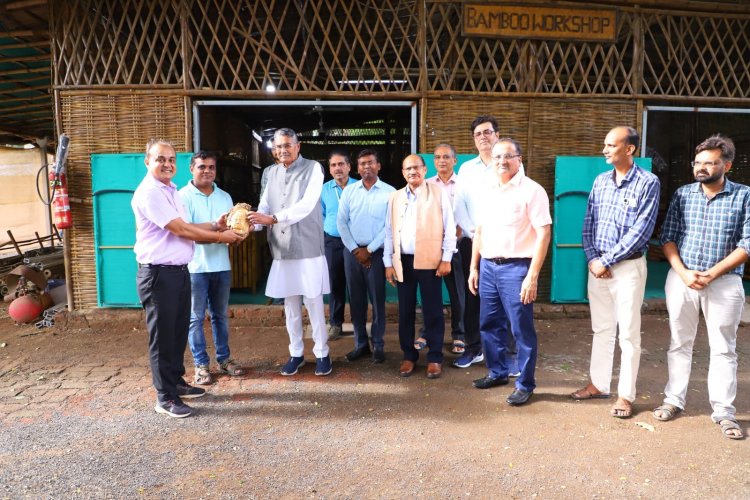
point(202, 167)
point(368, 163)
point(707, 164)
point(485, 133)
point(505, 157)
point(413, 168)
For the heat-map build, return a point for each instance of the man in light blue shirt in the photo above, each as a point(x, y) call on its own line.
point(210, 274)
point(339, 166)
point(361, 223)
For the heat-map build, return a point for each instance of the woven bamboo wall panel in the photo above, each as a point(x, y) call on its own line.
point(117, 42)
point(320, 47)
point(449, 120)
point(329, 45)
point(545, 128)
point(108, 123)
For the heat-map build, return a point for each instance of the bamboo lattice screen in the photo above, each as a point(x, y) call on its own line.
point(405, 47)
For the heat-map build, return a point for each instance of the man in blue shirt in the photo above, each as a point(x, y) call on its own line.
point(361, 223)
point(620, 217)
point(706, 238)
point(210, 274)
point(339, 166)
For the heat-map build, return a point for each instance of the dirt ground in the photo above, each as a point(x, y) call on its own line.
point(76, 410)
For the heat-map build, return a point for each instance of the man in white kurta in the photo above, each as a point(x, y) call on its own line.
point(290, 208)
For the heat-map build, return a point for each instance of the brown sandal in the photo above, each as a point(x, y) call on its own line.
point(202, 375)
point(589, 392)
point(231, 368)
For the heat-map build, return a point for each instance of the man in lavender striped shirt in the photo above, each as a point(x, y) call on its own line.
point(163, 248)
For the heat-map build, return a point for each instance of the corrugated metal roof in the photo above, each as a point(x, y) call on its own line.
point(26, 107)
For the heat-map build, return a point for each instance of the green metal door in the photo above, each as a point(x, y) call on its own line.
point(114, 178)
point(574, 176)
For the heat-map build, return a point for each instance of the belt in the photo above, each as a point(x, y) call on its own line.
point(633, 256)
point(164, 266)
point(501, 260)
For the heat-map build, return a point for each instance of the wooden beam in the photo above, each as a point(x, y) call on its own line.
point(23, 89)
point(23, 71)
point(26, 45)
point(23, 34)
point(14, 60)
point(27, 107)
point(37, 97)
point(24, 4)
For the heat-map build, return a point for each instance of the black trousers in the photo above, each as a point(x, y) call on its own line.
point(165, 295)
point(431, 291)
point(334, 249)
point(471, 305)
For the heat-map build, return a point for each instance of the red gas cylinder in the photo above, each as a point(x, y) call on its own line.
point(25, 308)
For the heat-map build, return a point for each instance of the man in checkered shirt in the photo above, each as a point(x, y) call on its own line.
point(619, 221)
point(706, 238)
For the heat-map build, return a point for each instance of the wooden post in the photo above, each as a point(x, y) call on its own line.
point(13, 240)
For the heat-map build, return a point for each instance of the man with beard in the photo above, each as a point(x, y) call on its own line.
point(361, 222)
point(620, 217)
point(706, 238)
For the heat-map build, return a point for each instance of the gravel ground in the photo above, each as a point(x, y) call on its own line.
point(77, 422)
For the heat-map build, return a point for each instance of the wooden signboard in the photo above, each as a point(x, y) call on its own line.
point(516, 21)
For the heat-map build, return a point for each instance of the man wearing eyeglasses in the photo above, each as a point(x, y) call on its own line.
point(420, 239)
point(472, 178)
point(706, 238)
point(511, 238)
point(290, 208)
point(620, 217)
point(210, 271)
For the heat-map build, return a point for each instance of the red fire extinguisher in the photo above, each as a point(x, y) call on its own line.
point(60, 204)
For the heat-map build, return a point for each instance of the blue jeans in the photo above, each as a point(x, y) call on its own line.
point(212, 290)
point(500, 303)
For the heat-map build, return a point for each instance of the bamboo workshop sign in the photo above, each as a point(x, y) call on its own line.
point(514, 21)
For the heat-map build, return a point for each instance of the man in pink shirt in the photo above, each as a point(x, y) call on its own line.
point(445, 161)
point(512, 238)
point(163, 249)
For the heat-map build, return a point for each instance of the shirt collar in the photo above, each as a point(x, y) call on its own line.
point(728, 188)
point(515, 181)
point(193, 189)
point(437, 180)
point(157, 183)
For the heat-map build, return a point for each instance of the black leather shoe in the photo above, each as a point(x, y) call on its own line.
point(378, 356)
point(358, 353)
point(518, 397)
point(487, 382)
